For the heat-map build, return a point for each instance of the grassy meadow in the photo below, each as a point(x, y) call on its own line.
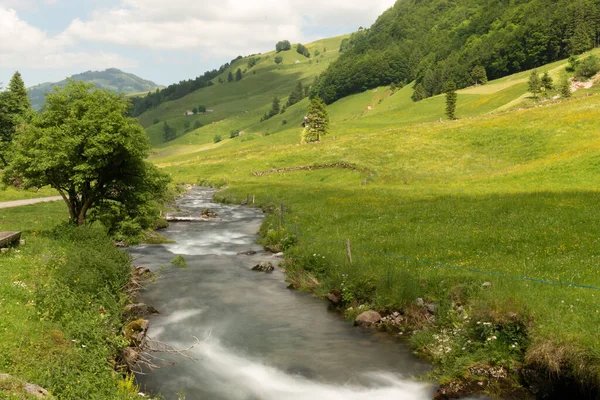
point(61, 308)
point(493, 217)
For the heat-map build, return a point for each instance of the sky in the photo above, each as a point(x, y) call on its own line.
point(161, 40)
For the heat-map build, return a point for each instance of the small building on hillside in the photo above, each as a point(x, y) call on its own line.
point(188, 112)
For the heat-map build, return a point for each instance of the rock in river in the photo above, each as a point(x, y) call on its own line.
point(368, 318)
point(264, 267)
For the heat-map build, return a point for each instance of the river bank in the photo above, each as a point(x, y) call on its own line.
point(255, 338)
point(482, 337)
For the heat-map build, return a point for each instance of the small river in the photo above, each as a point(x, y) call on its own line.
point(258, 340)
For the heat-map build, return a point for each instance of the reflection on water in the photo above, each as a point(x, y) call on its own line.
point(258, 339)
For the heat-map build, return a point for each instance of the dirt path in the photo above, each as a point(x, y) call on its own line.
point(19, 203)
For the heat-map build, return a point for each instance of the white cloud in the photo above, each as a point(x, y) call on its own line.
point(25, 46)
point(225, 27)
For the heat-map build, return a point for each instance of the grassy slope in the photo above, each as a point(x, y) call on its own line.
point(511, 193)
point(240, 105)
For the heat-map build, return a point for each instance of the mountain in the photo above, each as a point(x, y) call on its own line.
point(112, 79)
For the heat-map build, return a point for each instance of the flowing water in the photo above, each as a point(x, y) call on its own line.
point(257, 339)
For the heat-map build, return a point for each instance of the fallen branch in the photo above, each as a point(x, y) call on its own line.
point(151, 355)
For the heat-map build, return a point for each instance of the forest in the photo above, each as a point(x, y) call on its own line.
point(435, 41)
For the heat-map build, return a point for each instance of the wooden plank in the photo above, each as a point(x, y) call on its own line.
point(9, 238)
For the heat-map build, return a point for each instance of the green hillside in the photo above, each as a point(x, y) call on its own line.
point(493, 217)
point(111, 79)
point(240, 105)
point(434, 41)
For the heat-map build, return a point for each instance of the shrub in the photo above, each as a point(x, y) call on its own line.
point(588, 68)
point(217, 138)
point(234, 133)
point(179, 261)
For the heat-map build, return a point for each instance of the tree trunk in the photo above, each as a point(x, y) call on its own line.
point(84, 209)
point(70, 206)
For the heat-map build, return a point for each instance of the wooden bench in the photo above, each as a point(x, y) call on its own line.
point(9, 238)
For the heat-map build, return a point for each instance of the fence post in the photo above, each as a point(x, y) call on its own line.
point(253, 198)
point(349, 250)
point(297, 234)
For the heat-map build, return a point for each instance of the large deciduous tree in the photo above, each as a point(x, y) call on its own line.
point(84, 146)
point(316, 122)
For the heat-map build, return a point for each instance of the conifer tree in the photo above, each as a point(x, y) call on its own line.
point(15, 110)
point(547, 82)
point(19, 95)
point(420, 93)
point(479, 75)
point(275, 107)
point(451, 97)
point(230, 77)
point(238, 75)
point(297, 95)
point(316, 122)
point(565, 86)
point(535, 85)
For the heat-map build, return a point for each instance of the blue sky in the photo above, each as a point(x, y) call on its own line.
point(161, 40)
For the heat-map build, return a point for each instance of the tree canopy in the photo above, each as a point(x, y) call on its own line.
point(283, 45)
point(84, 146)
point(316, 122)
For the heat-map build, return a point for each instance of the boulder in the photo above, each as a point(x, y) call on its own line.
point(141, 272)
point(136, 332)
point(431, 308)
point(139, 310)
point(335, 297)
point(420, 302)
point(368, 318)
point(264, 267)
point(28, 388)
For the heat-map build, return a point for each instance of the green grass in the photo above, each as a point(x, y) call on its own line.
point(60, 307)
point(513, 195)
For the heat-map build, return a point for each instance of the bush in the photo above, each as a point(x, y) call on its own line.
point(179, 261)
point(234, 133)
point(217, 138)
point(278, 60)
point(588, 68)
